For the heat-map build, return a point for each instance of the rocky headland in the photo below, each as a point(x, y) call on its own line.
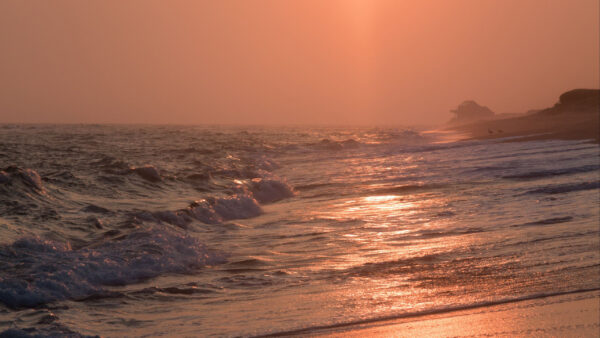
point(576, 115)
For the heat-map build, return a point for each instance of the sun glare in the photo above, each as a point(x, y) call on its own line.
point(361, 13)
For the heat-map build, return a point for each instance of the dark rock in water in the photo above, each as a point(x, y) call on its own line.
point(148, 173)
point(470, 111)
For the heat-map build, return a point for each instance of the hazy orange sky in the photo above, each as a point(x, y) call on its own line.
point(292, 61)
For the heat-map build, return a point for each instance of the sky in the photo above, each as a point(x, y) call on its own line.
point(377, 62)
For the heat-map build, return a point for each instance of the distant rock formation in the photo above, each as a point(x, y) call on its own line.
point(576, 101)
point(470, 111)
point(576, 116)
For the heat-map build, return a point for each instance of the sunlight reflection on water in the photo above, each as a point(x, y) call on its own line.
point(371, 231)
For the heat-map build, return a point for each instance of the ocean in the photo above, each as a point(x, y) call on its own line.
point(116, 230)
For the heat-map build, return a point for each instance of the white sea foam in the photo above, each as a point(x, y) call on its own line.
point(217, 210)
point(237, 207)
point(37, 272)
point(209, 211)
point(266, 190)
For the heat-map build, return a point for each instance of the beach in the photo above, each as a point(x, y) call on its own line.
point(570, 315)
point(267, 168)
point(575, 117)
point(535, 127)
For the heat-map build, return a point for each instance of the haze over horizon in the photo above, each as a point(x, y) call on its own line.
point(289, 62)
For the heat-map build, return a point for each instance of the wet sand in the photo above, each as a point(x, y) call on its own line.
point(563, 126)
point(569, 315)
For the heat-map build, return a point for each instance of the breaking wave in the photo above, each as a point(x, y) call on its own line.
point(37, 271)
point(27, 177)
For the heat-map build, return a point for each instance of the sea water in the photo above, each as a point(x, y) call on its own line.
point(241, 231)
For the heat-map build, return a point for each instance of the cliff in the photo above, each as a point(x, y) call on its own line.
point(576, 116)
point(576, 101)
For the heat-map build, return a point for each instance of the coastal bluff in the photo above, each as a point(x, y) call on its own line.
point(576, 116)
point(576, 101)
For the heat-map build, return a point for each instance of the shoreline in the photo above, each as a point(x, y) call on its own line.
point(397, 324)
point(576, 315)
point(576, 116)
point(575, 126)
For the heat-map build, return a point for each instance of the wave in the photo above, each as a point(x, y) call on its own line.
point(188, 289)
point(408, 188)
point(406, 265)
point(266, 190)
point(407, 134)
point(547, 221)
point(565, 188)
point(551, 173)
point(455, 232)
point(22, 194)
point(110, 164)
point(208, 211)
point(312, 186)
point(147, 172)
point(245, 204)
point(54, 330)
point(490, 168)
point(28, 177)
point(566, 235)
point(37, 272)
point(235, 207)
point(327, 144)
point(235, 173)
point(91, 208)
